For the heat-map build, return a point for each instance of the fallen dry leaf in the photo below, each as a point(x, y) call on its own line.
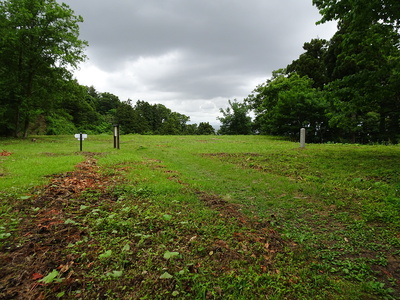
point(36, 276)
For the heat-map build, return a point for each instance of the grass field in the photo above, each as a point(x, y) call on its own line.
point(198, 217)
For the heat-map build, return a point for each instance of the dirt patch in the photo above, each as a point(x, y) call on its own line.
point(5, 153)
point(252, 230)
point(42, 236)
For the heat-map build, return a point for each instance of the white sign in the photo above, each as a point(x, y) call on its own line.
point(78, 136)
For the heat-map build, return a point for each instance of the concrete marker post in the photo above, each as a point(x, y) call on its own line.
point(302, 138)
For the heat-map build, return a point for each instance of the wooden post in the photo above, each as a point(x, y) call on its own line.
point(302, 138)
point(116, 136)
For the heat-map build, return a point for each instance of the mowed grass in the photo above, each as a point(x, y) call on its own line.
point(316, 223)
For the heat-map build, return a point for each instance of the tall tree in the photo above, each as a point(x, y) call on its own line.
point(362, 62)
point(284, 104)
point(174, 124)
point(235, 119)
point(311, 63)
point(360, 12)
point(39, 45)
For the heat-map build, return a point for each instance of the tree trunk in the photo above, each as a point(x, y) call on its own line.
point(17, 117)
point(26, 127)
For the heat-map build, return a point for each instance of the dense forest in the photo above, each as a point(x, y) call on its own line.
point(346, 89)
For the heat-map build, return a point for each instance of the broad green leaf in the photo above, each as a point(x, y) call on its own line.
point(106, 254)
point(166, 275)
point(168, 255)
point(115, 274)
point(69, 221)
point(126, 248)
point(52, 276)
point(167, 217)
point(4, 235)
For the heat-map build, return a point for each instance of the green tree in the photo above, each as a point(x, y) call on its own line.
point(146, 112)
point(107, 102)
point(284, 104)
point(205, 129)
point(174, 124)
point(161, 114)
point(39, 45)
point(362, 63)
point(127, 118)
point(235, 119)
point(361, 12)
point(312, 63)
point(191, 129)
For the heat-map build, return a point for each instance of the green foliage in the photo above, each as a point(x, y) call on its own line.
point(59, 123)
point(77, 108)
point(235, 119)
point(360, 13)
point(144, 118)
point(311, 63)
point(285, 104)
point(363, 89)
point(356, 74)
point(205, 129)
point(39, 43)
point(53, 276)
point(169, 255)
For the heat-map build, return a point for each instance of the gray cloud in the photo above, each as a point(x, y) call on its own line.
point(191, 56)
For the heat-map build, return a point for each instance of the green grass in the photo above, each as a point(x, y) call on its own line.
point(316, 223)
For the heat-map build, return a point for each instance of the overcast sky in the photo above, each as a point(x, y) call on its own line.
point(191, 55)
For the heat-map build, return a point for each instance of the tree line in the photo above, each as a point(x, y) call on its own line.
point(39, 49)
point(346, 89)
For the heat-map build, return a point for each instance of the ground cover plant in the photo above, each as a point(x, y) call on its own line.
point(200, 217)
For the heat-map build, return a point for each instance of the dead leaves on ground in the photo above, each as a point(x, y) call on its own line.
point(5, 153)
point(44, 236)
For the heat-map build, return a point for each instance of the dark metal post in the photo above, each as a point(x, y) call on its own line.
point(80, 140)
point(117, 136)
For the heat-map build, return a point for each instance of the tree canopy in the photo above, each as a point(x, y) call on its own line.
point(235, 119)
point(286, 103)
point(344, 89)
point(39, 45)
point(39, 49)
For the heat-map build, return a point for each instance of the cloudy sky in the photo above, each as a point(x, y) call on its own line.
point(191, 55)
